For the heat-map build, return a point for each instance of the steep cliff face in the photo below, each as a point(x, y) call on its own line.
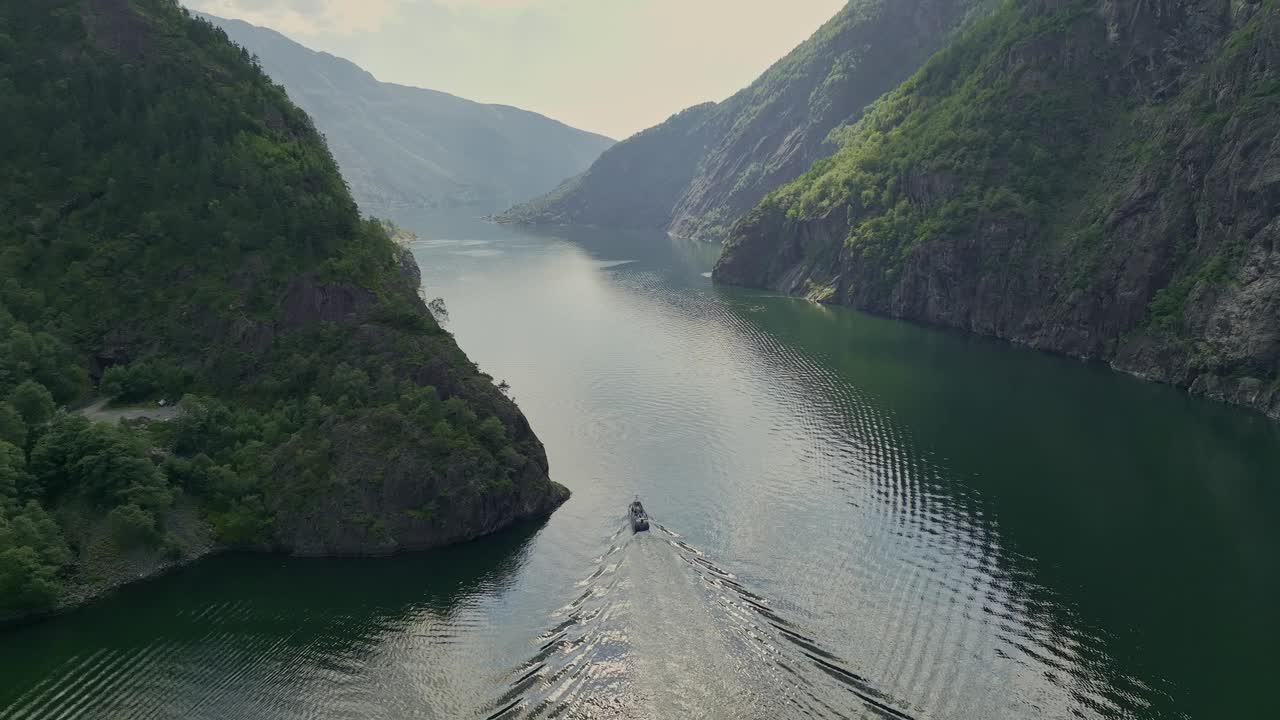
point(1092, 178)
point(172, 226)
point(411, 468)
point(697, 173)
point(403, 146)
point(396, 479)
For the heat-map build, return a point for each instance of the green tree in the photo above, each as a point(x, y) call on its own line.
point(143, 380)
point(54, 456)
point(59, 368)
point(246, 522)
point(26, 583)
point(112, 463)
point(32, 552)
point(493, 433)
point(107, 463)
point(33, 402)
point(114, 382)
point(132, 526)
point(12, 427)
point(205, 425)
point(349, 386)
point(14, 478)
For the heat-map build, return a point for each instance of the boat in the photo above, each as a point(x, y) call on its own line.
point(639, 518)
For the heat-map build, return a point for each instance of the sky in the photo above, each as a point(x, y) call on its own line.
point(609, 66)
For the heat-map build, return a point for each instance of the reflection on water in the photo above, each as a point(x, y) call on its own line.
point(245, 636)
point(859, 518)
point(660, 630)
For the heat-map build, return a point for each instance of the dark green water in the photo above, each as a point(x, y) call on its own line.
point(859, 518)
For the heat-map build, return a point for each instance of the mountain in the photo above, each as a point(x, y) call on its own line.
point(171, 226)
point(698, 172)
point(1099, 178)
point(409, 147)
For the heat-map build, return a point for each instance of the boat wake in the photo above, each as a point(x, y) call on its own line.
point(659, 630)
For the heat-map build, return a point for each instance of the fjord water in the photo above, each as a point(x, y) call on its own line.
point(856, 518)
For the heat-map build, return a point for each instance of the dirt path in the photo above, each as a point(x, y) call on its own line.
point(99, 412)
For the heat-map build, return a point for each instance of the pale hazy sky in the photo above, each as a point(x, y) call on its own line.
point(610, 66)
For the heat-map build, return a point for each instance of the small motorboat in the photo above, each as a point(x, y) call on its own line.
point(639, 518)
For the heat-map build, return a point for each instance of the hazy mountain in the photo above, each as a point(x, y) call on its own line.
point(403, 146)
point(695, 174)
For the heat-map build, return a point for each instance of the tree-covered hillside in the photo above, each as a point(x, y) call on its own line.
point(172, 226)
point(697, 173)
point(1095, 178)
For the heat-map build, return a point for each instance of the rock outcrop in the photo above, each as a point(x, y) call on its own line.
point(389, 490)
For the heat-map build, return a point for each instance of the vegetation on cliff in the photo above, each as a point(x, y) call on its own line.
point(1095, 178)
point(171, 225)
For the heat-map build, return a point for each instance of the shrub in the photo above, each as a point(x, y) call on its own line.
point(493, 433)
point(246, 522)
point(131, 526)
point(26, 584)
point(144, 380)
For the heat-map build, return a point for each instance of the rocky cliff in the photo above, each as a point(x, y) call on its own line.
point(695, 174)
point(1095, 178)
point(391, 486)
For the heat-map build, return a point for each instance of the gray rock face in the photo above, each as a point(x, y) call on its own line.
point(391, 504)
point(1159, 256)
point(698, 172)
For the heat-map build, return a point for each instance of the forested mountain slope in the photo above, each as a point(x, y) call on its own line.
point(1095, 177)
point(695, 174)
point(170, 225)
point(403, 146)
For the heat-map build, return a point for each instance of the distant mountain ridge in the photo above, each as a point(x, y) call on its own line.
point(401, 146)
point(700, 171)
